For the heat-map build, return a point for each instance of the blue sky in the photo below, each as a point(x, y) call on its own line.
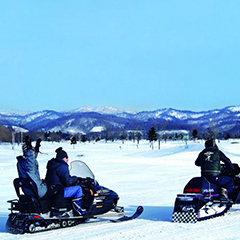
point(134, 55)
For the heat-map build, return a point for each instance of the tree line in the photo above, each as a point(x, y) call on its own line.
point(153, 134)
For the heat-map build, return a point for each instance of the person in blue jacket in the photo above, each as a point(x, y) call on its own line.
point(28, 168)
point(58, 173)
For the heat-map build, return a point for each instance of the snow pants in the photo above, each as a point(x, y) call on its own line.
point(223, 181)
point(73, 191)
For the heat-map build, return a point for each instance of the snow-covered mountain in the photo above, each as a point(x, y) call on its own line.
point(86, 119)
point(102, 110)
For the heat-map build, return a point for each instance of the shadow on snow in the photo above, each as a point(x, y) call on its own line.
point(3, 220)
point(153, 213)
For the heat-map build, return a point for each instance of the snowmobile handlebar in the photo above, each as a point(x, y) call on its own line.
point(86, 182)
point(227, 171)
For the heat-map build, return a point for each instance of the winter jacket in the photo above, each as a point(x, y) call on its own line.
point(28, 168)
point(58, 173)
point(209, 161)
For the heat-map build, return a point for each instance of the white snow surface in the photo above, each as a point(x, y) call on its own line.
point(141, 176)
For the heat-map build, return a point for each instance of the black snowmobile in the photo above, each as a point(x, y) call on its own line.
point(27, 214)
point(201, 199)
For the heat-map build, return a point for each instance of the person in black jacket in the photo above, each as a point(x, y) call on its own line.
point(58, 173)
point(209, 161)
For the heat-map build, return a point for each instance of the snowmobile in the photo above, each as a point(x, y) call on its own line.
point(27, 214)
point(201, 199)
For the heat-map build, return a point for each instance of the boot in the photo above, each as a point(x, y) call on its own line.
point(224, 195)
point(77, 203)
point(59, 213)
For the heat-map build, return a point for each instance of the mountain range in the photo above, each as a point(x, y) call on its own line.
point(88, 119)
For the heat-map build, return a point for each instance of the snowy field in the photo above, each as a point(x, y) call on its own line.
point(140, 176)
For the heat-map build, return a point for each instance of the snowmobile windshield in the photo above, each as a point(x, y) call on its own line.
point(80, 169)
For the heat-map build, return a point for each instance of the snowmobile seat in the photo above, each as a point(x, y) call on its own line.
point(29, 201)
point(202, 186)
point(208, 188)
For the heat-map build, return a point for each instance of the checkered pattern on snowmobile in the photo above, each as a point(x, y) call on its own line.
point(201, 199)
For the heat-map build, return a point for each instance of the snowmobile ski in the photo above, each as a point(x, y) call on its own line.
point(137, 213)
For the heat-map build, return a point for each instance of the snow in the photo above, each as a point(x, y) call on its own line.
point(141, 176)
point(103, 110)
point(174, 132)
point(97, 129)
point(19, 129)
point(234, 108)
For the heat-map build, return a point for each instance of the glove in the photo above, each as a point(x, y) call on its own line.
point(27, 144)
point(38, 145)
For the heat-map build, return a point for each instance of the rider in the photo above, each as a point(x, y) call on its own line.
point(27, 167)
point(209, 161)
point(58, 173)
